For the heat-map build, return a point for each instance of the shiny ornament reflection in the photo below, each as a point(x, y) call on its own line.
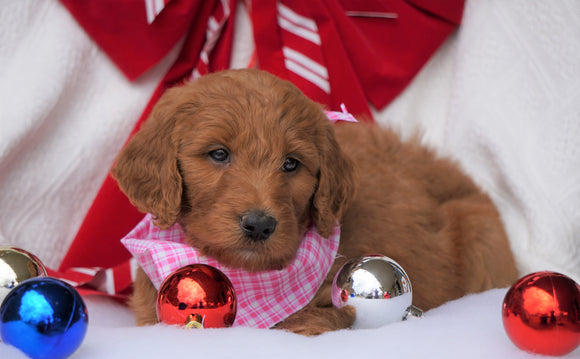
point(44, 318)
point(541, 313)
point(197, 296)
point(16, 266)
point(378, 288)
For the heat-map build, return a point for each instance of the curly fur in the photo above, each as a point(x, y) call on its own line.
point(391, 197)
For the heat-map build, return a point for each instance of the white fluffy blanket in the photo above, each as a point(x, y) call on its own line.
point(502, 96)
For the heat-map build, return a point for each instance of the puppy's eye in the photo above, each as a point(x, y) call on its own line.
point(290, 165)
point(220, 155)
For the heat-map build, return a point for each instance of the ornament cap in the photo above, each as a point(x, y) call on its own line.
point(413, 312)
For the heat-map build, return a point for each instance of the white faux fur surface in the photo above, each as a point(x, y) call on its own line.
point(467, 328)
point(502, 96)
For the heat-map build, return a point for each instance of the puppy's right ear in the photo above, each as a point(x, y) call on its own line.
point(336, 183)
point(147, 170)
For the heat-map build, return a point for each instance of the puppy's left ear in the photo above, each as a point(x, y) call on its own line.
point(336, 184)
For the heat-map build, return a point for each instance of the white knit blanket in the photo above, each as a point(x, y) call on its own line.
point(502, 96)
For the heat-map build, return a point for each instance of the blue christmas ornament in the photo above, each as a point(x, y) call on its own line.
point(44, 318)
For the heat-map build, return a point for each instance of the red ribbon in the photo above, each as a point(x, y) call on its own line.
point(367, 59)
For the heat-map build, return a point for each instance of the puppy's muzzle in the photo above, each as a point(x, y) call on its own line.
point(257, 225)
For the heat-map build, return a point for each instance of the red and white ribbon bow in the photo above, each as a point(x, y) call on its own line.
point(351, 52)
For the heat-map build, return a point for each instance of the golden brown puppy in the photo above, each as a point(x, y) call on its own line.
point(244, 141)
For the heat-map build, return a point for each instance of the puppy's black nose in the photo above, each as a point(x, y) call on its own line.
point(257, 225)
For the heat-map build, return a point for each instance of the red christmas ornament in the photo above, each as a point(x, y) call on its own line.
point(541, 313)
point(197, 296)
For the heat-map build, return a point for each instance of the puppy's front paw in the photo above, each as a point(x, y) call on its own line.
point(316, 320)
point(142, 302)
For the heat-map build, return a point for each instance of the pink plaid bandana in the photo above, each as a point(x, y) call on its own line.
point(264, 298)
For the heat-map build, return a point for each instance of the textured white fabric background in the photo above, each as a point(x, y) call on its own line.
point(65, 112)
point(514, 123)
point(502, 96)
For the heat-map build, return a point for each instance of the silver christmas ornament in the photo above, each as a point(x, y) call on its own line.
point(378, 288)
point(16, 266)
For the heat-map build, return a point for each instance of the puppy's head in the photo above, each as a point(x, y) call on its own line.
point(244, 162)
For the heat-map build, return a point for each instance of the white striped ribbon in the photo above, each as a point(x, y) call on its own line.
point(296, 61)
point(153, 8)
